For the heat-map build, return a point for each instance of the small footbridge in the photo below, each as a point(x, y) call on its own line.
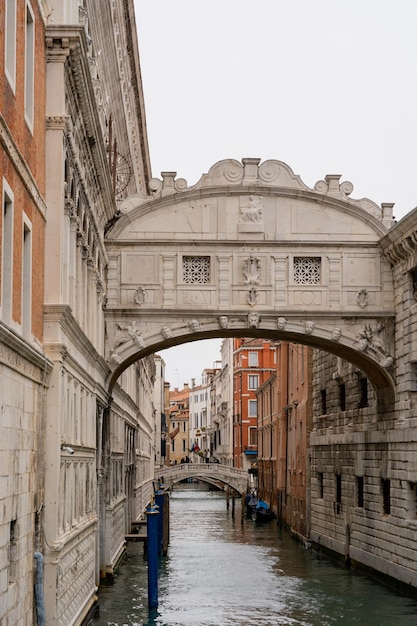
point(213, 473)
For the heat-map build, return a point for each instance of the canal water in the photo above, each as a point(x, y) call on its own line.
point(220, 573)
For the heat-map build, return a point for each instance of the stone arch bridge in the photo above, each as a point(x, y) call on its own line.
point(212, 473)
point(251, 250)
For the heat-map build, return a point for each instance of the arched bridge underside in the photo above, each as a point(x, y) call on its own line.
point(212, 473)
point(250, 250)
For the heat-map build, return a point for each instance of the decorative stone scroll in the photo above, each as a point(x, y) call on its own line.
point(252, 270)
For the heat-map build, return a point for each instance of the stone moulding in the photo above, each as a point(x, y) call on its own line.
point(334, 335)
point(253, 174)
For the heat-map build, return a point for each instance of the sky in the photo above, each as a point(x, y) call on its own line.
point(327, 86)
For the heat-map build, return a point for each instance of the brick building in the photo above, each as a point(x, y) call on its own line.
point(24, 369)
point(253, 364)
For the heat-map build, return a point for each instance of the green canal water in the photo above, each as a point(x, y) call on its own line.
point(220, 573)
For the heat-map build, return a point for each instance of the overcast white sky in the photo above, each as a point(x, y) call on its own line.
point(327, 86)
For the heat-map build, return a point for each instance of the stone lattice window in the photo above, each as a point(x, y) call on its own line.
point(307, 270)
point(196, 270)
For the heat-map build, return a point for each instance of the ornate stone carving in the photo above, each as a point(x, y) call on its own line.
point(252, 210)
point(362, 298)
point(196, 270)
point(308, 327)
point(223, 321)
point(194, 326)
point(307, 270)
point(253, 320)
point(281, 322)
point(336, 334)
point(126, 334)
point(370, 341)
point(252, 270)
point(253, 296)
point(166, 332)
point(140, 296)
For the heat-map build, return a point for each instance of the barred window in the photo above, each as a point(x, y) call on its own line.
point(307, 270)
point(196, 269)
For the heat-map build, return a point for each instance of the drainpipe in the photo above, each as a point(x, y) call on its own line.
point(39, 600)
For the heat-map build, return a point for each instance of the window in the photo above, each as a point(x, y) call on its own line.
point(338, 500)
point(252, 408)
point(253, 381)
point(320, 480)
point(323, 401)
point(253, 436)
point(12, 551)
point(27, 280)
point(173, 445)
point(196, 270)
point(412, 500)
point(10, 42)
point(363, 391)
point(307, 270)
point(386, 496)
point(359, 492)
point(342, 396)
point(184, 427)
point(7, 254)
point(253, 359)
point(183, 445)
point(29, 65)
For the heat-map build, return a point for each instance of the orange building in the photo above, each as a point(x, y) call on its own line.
point(253, 364)
point(284, 425)
point(24, 370)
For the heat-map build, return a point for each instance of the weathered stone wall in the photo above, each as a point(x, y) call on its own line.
point(363, 474)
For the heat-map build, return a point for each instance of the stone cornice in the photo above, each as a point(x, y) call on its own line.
point(400, 243)
point(252, 178)
point(11, 148)
point(16, 353)
point(62, 315)
point(136, 82)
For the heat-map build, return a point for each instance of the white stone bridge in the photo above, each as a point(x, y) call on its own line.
point(213, 473)
point(251, 250)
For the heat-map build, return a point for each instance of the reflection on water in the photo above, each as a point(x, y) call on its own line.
point(220, 573)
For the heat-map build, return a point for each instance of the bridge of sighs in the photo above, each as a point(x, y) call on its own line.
point(251, 250)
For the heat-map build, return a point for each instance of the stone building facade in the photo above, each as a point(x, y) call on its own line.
point(363, 460)
point(77, 459)
point(100, 448)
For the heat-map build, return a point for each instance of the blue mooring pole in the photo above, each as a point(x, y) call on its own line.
point(159, 499)
point(152, 513)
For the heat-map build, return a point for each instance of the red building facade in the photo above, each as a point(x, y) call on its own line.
point(253, 364)
point(284, 425)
